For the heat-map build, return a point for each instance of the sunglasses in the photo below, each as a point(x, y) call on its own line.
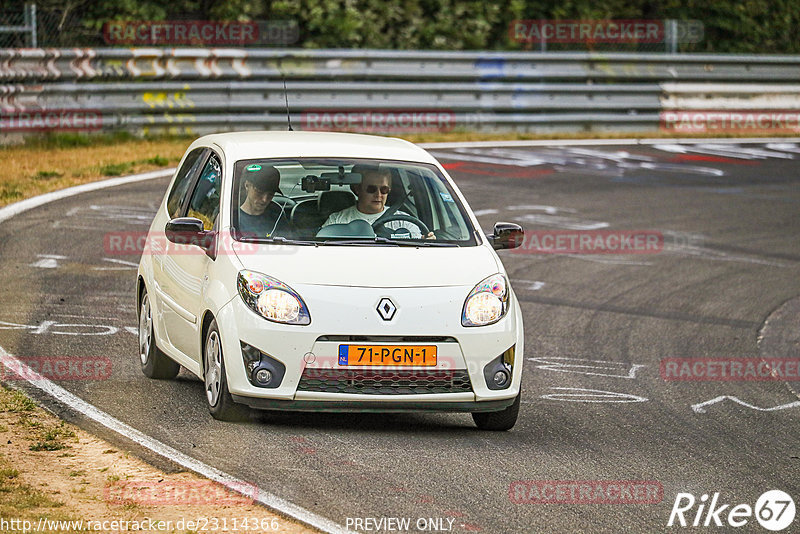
point(372, 189)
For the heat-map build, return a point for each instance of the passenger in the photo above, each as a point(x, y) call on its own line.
point(258, 215)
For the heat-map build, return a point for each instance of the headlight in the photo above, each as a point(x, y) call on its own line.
point(487, 303)
point(272, 299)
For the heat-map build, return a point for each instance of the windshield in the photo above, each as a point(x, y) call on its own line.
point(347, 201)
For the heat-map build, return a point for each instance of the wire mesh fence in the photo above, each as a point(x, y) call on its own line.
point(64, 24)
point(18, 29)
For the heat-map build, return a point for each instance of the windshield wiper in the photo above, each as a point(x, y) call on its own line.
point(433, 243)
point(386, 241)
point(278, 239)
point(361, 241)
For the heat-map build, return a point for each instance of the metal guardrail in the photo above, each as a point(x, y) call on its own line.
point(202, 90)
point(220, 63)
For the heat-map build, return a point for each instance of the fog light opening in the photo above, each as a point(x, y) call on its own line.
point(501, 378)
point(263, 377)
point(261, 369)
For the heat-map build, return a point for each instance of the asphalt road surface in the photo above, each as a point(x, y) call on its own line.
point(597, 327)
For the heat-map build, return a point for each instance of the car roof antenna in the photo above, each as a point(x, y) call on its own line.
point(286, 97)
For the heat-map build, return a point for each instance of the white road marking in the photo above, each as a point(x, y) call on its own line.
point(212, 473)
point(591, 162)
point(591, 395)
point(608, 261)
point(558, 221)
point(56, 328)
point(550, 210)
point(733, 152)
point(47, 261)
point(532, 285)
point(102, 214)
point(62, 224)
point(717, 255)
point(43, 327)
point(122, 262)
point(526, 162)
point(784, 147)
point(753, 152)
point(585, 366)
point(478, 213)
point(701, 407)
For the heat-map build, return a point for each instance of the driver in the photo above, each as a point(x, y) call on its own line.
point(371, 205)
point(258, 215)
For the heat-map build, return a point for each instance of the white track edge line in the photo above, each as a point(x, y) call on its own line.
point(15, 365)
point(92, 412)
point(24, 205)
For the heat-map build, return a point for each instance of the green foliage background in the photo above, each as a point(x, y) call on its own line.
point(747, 26)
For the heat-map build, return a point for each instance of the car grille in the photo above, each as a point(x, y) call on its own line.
point(385, 382)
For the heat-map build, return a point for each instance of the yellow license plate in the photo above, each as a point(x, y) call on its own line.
point(391, 355)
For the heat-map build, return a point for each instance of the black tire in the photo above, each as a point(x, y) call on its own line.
point(155, 364)
point(502, 420)
point(219, 400)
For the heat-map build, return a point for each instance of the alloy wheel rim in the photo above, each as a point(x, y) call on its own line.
point(213, 369)
point(145, 328)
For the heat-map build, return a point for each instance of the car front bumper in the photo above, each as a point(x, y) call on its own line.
point(339, 315)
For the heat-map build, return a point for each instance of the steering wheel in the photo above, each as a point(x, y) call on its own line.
point(381, 224)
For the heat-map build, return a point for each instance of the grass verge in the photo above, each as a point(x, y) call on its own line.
point(57, 161)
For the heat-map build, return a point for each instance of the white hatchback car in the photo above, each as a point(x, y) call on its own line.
point(328, 272)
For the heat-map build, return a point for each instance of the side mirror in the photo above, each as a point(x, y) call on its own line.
point(189, 231)
point(507, 235)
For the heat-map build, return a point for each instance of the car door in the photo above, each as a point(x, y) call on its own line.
point(175, 205)
point(185, 266)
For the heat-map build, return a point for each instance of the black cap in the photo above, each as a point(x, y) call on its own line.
point(264, 177)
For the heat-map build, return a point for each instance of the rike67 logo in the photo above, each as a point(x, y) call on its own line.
point(774, 510)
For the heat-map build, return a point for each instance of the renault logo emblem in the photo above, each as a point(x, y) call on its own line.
point(386, 309)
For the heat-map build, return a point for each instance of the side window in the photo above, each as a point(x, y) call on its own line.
point(183, 181)
point(444, 210)
point(205, 199)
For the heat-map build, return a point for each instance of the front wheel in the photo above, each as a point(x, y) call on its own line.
point(503, 420)
point(155, 364)
point(220, 402)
